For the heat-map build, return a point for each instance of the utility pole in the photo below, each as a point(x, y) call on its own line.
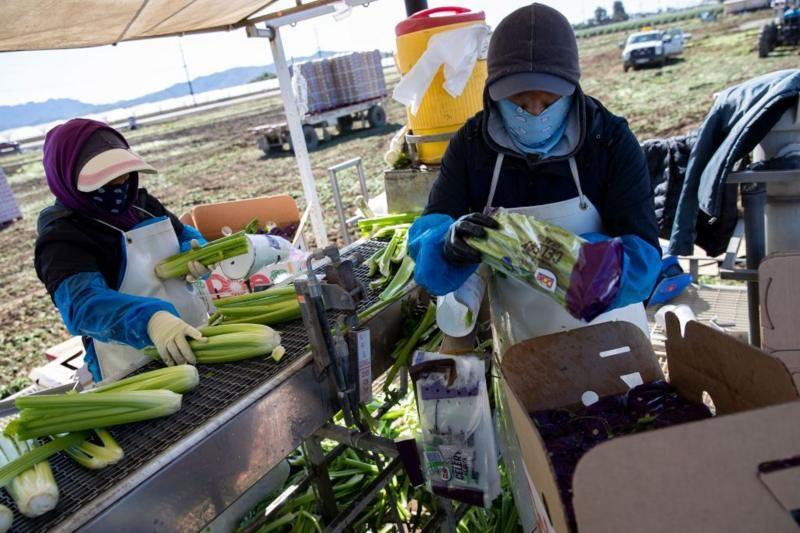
point(186, 70)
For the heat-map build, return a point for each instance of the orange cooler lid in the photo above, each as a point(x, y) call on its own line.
point(435, 17)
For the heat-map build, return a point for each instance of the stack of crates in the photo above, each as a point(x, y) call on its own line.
point(321, 90)
point(9, 210)
point(359, 76)
point(342, 80)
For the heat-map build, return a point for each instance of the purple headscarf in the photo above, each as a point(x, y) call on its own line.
point(62, 145)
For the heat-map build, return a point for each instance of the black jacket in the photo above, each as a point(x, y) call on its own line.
point(611, 165)
point(69, 243)
point(667, 160)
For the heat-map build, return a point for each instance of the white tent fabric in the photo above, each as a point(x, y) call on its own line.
point(48, 24)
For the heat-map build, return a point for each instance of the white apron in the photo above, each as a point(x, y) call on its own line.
point(143, 248)
point(520, 312)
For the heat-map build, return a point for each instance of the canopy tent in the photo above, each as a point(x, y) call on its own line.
point(50, 24)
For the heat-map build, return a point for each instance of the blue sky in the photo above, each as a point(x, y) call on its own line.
point(110, 73)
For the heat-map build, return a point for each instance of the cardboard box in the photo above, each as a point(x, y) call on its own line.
point(779, 295)
point(668, 479)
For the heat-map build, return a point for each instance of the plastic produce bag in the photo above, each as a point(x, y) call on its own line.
point(459, 456)
point(457, 50)
point(582, 276)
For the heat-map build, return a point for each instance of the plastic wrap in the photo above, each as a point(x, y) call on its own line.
point(582, 276)
point(459, 456)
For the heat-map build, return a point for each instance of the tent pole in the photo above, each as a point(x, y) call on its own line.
point(295, 122)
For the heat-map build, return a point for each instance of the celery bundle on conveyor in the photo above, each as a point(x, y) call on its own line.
point(34, 488)
point(53, 414)
point(229, 343)
point(210, 254)
point(269, 307)
point(369, 226)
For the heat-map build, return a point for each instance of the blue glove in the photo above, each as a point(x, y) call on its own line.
point(426, 239)
point(90, 307)
point(188, 234)
point(641, 265)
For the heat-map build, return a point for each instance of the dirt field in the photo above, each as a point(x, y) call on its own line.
point(211, 157)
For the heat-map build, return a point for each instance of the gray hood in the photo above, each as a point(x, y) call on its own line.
point(534, 38)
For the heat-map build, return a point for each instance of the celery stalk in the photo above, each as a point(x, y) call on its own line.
point(37, 454)
point(210, 254)
point(95, 456)
point(34, 490)
point(64, 413)
point(179, 379)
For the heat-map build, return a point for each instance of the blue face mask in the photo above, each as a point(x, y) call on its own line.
point(535, 134)
point(111, 198)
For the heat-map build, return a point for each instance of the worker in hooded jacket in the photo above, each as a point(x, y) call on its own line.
point(97, 248)
point(543, 148)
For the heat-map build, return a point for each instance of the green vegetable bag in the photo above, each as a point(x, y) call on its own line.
point(581, 276)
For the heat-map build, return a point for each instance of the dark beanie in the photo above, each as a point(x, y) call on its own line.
point(534, 38)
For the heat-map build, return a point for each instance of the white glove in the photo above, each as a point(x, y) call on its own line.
point(169, 335)
point(197, 269)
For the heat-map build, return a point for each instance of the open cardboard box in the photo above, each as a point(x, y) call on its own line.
point(779, 295)
point(701, 476)
point(210, 219)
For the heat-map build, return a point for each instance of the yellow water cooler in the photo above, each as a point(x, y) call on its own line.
point(439, 114)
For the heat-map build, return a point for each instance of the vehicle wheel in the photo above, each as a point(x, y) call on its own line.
point(310, 133)
point(344, 124)
point(263, 143)
point(626, 67)
point(376, 116)
point(767, 39)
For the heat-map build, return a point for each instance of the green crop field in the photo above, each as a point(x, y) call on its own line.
point(210, 157)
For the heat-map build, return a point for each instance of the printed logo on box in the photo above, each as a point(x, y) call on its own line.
point(546, 279)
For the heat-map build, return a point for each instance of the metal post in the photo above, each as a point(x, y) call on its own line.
point(295, 123)
point(337, 194)
point(323, 488)
point(412, 6)
point(754, 198)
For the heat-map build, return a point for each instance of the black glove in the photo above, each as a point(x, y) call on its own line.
point(456, 249)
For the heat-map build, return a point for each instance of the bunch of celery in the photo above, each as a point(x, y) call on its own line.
point(34, 489)
point(229, 343)
point(54, 414)
point(269, 307)
point(210, 254)
point(392, 264)
point(369, 226)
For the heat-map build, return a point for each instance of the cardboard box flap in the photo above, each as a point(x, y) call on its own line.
point(779, 294)
point(211, 218)
point(736, 375)
point(701, 476)
point(556, 370)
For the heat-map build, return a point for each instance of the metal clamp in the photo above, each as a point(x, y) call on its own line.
point(337, 195)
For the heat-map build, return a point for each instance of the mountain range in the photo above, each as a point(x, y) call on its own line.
point(32, 113)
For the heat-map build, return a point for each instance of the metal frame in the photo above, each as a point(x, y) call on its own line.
point(753, 193)
point(413, 140)
point(337, 195)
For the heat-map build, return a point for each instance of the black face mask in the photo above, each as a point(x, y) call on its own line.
point(111, 198)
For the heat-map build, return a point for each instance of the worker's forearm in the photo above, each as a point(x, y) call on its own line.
point(89, 307)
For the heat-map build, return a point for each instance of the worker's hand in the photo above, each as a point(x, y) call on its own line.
point(197, 270)
point(456, 249)
point(170, 336)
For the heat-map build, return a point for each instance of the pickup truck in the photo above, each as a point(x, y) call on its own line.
point(652, 47)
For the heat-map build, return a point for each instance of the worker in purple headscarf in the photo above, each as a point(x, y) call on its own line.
point(97, 248)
